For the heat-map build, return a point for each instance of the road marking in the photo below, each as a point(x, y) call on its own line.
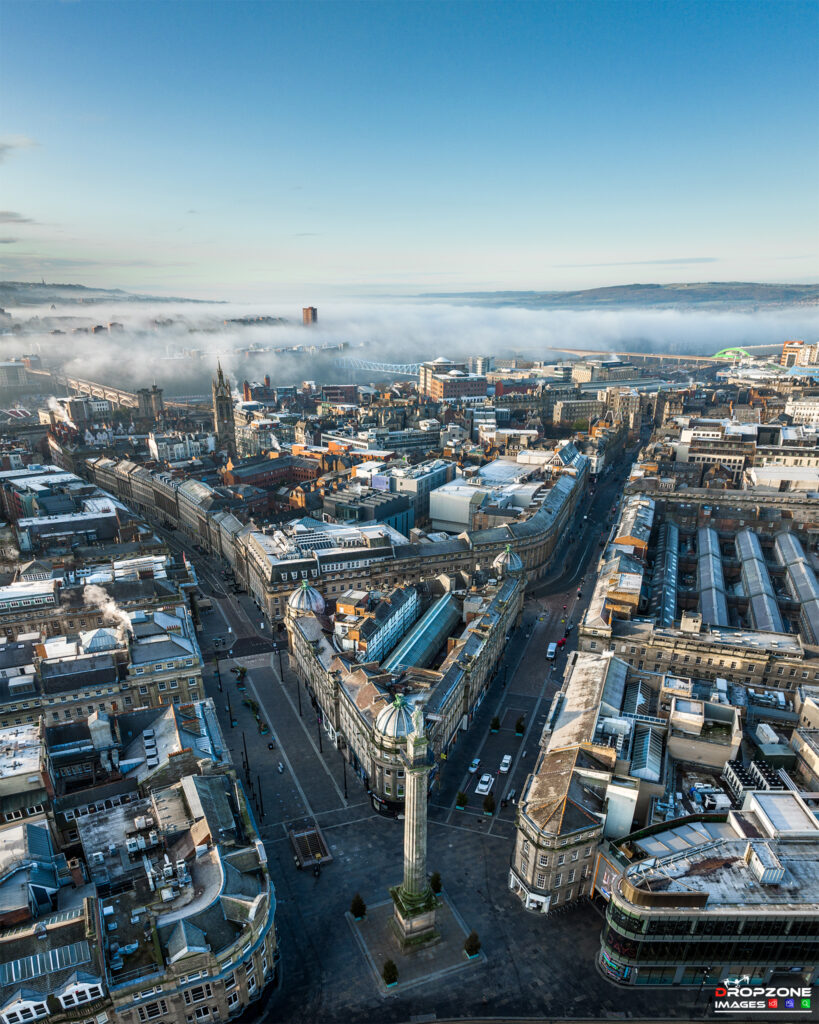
point(472, 831)
point(307, 732)
point(280, 748)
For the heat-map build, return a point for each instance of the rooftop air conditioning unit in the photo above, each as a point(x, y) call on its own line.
point(131, 844)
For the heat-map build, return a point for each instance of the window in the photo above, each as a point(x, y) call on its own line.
point(587, 852)
point(571, 876)
point(173, 684)
point(202, 1012)
point(197, 994)
point(143, 690)
point(561, 858)
point(230, 981)
point(233, 999)
point(152, 1010)
point(558, 880)
point(575, 854)
point(541, 881)
point(543, 860)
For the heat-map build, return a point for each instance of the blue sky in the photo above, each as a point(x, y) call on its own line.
point(257, 149)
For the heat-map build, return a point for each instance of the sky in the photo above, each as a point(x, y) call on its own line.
point(257, 151)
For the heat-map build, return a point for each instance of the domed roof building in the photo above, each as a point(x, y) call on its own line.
point(395, 720)
point(508, 563)
point(305, 599)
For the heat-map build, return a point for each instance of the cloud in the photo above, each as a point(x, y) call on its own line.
point(307, 234)
point(32, 262)
point(9, 144)
point(676, 261)
point(10, 217)
point(8, 241)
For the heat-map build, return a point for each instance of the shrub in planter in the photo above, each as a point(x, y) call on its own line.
point(494, 725)
point(472, 945)
point(358, 908)
point(390, 973)
point(460, 799)
point(489, 804)
point(435, 882)
point(519, 726)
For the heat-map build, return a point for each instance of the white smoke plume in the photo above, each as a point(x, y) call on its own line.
point(112, 615)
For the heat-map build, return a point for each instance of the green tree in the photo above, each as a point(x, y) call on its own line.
point(435, 882)
point(495, 723)
point(520, 724)
point(460, 799)
point(472, 945)
point(390, 972)
point(489, 803)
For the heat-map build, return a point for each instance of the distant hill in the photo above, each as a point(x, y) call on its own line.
point(30, 293)
point(718, 295)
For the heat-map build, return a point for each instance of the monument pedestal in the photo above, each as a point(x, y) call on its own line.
point(414, 921)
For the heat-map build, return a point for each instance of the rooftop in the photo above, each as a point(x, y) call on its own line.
point(19, 753)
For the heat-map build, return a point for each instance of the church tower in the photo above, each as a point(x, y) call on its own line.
point(223, 412)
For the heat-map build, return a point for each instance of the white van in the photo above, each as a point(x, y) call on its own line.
point(551, 651)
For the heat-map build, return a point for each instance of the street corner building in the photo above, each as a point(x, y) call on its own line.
point(382, 655)
point(142, 893)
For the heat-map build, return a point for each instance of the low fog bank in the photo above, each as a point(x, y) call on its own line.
point(177, 345)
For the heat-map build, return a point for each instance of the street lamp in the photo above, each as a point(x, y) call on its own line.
point(318, 730)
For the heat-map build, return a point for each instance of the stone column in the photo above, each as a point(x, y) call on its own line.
point(415, 820)
point(414, 900)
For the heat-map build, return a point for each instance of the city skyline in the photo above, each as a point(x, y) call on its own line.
point(246, 151)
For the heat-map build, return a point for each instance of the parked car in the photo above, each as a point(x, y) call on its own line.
point(551, 651)
point(484, 785)
point(474, 766)
point(506, 763)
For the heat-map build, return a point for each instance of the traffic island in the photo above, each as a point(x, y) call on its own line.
point(375, 935)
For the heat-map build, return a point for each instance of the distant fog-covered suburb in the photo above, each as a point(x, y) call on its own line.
point(150, 348)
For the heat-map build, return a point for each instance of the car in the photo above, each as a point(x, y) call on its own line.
point(484, 785)
point(506, 763)
point(551, 651)
point(474, 766)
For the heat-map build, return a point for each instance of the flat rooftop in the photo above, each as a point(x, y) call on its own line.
point(718, 869)
point(19, 752)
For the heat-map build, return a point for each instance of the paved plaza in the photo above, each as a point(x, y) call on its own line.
point(376, 938)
